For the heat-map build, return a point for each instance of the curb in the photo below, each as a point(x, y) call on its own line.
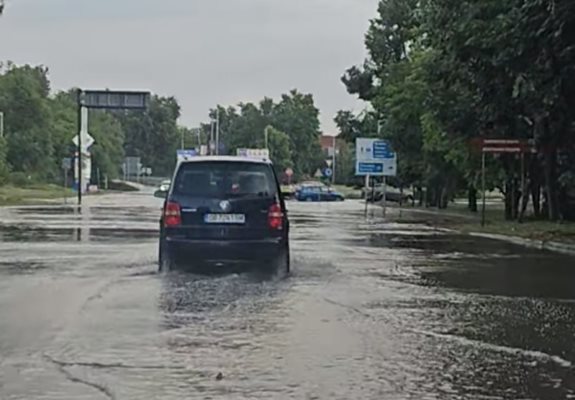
point(557, 247)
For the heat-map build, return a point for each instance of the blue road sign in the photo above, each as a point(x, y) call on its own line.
point(382, 150)
point(375, 157)
point(364, 168)
point(328, 172)
point(186, 154)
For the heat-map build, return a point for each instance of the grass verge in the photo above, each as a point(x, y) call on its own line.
point(34, 194)
point(530, 229)
point(459, 218)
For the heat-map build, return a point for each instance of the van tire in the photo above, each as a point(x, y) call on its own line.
point(282, 263)
point(166, 261)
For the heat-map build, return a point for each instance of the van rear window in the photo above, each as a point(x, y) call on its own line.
point(225, 179)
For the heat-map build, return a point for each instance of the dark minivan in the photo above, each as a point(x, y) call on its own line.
point(224, 211)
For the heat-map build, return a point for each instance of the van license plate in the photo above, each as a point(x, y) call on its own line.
point(225, 219)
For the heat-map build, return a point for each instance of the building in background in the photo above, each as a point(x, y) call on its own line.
point(328, 143)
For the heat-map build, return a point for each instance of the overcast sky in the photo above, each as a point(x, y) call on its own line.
point(203, 52)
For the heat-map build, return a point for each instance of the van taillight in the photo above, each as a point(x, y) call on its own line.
point(172, 214)
point(275, 217)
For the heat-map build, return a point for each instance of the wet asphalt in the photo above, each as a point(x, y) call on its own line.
point(374, 309)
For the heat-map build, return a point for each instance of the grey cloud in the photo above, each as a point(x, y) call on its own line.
point(203, 52)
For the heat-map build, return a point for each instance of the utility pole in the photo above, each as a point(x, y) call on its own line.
point(266, 134)
point(211, 145)
point(218, 131)
point(79, 149)
point(483, 204)
point(333, 160)
point(1, 124)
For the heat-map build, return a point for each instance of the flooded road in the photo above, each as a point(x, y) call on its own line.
point(374, 309)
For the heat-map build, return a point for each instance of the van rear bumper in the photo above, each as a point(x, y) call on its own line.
point(225, 251)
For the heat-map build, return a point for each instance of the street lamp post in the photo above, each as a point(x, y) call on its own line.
point(212, 139)
point(218, 131)
point(333, 159)
point(1, 124)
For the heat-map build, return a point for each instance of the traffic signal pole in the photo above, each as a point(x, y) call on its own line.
point(79, 148)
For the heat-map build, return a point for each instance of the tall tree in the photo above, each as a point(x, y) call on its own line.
point(294, 120)
point(153, 135)
point(24, 100)
point(4, 168)
point(279, 146)
point(297, 116)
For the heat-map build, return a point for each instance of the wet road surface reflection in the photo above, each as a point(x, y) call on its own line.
point(374, 309)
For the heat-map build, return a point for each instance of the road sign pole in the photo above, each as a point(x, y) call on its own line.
point(366, 192)
point(79, 148)
point(333, 162)
point(218, 132)
point(65, 185)
point(513, 190)
point(211, 150)
point(483, 189)
point(384, 196)
point(523, 188)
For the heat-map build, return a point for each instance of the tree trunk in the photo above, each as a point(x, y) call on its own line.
point(472, 198)
point(513, 198)
point(536, 198)
point(428, 197)
point(551, 186)
point(516, 201)
point(563, 204)
point(524, 201)
point(535, 183)
point(508, 201)
point(442, 204)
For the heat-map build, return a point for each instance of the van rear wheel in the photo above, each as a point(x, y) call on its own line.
point(282, 263)
point(166, 260)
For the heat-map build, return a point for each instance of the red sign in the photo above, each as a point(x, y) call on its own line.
point(498, 146)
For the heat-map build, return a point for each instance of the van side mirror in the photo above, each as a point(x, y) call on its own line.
point(160, 194)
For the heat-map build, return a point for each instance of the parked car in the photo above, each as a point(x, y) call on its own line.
point(308, 184)
point(392, 194)
point(165, 185)
point(288, 191)
point(318, 193)
point(224, 211)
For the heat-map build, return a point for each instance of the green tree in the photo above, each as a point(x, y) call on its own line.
point(153, 135)
point(517, 58)
point(345, 163)
point(294, 117)
point(4, 168)
point(279, 146)
point(24, 100)
point(352, 126)
point(64, 124)
point(297, 116)
point(107, 151)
